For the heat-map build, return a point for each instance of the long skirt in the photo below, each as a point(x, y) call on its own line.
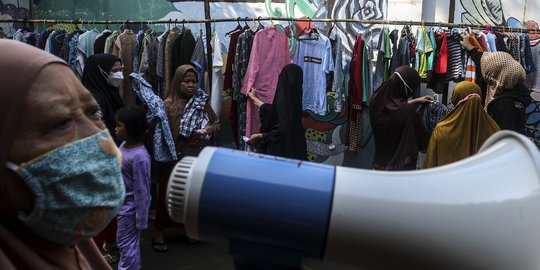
point(128, 241)
point(162, 219)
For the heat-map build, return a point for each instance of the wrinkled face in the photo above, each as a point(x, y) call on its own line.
point(56, 112)
point(189, 84)
point(116, 67)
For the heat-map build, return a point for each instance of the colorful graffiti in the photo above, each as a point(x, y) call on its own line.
point(12, 9)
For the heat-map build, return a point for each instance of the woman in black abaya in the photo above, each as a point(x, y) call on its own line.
point(282, 133)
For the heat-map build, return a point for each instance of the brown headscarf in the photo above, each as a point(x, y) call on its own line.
point(19, 64)
point(500, 72)
point(397, 129)
point(175, 103)
point(463, 131)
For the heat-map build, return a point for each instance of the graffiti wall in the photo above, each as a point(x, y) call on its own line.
point(323, 132)
point(13, 9)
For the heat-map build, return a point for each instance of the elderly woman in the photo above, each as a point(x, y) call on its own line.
point(507, 96)
point(397, 129)
point(61, 183)
point(192, 122)
point(463, 131)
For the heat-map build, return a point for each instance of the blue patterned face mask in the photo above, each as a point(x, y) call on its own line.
point(78, 189)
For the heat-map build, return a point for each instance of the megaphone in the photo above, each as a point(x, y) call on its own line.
point(482, 212)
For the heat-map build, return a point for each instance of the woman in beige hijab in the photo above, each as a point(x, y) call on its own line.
point(60, 180)
point(507, 97)
point(192, 123)
point(463, 131)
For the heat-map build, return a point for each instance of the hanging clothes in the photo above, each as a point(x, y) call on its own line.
point(163, 148)
point(355, 92)
point(160, 73)
point(492, 41)
point(533, 78)
point(470, 67)
point(228, 84)
point(148, 63)
point(168, 72)
point(182, 50)
point(138, 49)
point(239, 68)
point(109, 43)
point(198, 60)
point(394, 61)
point(338, 84)
point(99, 45)
point(455, 58)
point(314, 56)
point(383, 56)
point(124, 48)
point(270, 53)
point(216, 96)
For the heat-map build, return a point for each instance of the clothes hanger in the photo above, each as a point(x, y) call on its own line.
point(311, 31)
point(246, 26)
point(238, 27)
point(260, 26)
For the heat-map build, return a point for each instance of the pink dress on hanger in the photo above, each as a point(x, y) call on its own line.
point(270, 53)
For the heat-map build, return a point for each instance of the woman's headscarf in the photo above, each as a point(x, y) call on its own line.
point(463, 131)
point(20, 64)
point(175, 102)
point(501, 72)
point(397, 130)
point(108, 97)
point(286, 117)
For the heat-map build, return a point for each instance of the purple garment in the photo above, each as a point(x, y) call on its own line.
point(133, 215)
point(269, 54)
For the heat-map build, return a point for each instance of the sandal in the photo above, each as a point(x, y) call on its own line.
point(159, 247)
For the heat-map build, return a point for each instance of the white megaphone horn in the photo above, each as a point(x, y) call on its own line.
point(479, 213)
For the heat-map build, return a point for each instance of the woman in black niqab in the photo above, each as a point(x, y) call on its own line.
point(97, 67)
point(397, 129)
point(282, 133)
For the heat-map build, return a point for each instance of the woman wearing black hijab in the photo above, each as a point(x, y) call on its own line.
point(102, 76)
point(397, 129)
point(282, 133)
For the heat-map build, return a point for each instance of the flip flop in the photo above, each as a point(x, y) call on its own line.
point(159, 247)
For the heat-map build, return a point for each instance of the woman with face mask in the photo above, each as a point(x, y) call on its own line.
point(397, 129)
point(60, 183)
point(102, 75)
point(192, 122)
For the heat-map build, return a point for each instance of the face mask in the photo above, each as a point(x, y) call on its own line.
point(78, 189)
point(114, 79)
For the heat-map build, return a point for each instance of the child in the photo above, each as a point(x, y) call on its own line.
point(133, 216)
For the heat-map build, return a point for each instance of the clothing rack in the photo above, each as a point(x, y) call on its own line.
point(258, 19)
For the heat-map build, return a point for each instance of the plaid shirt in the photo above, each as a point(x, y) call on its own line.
point(193, 114)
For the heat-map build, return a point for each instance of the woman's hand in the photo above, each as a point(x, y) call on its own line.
point(421, 100)
point(255, 139)
point(466, 43)
point(252, 94)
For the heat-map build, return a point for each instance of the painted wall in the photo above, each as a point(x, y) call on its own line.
point(329, 129)
point(13, 9)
